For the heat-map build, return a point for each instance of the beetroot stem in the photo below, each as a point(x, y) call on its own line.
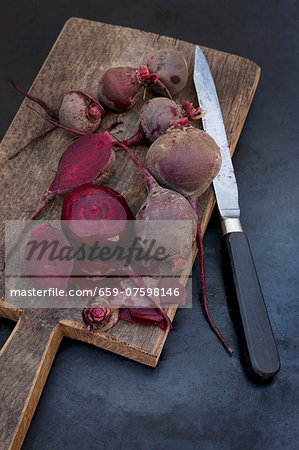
point(155, 79)
point(137, 138)
point(147, 177)
point(43, 133)
point(56, 123)
point(203, 283)
point(37, 100)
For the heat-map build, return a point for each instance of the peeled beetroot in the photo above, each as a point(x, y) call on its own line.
point(158, 114)
point(171, 68)
point(93, 213)
point(185, 160)
point(46, 272)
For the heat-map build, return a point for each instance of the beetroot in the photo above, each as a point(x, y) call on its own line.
point(163, 204)
point(88, 158)
point(121, 87)
point(143, 319)
point(78, 111)
point(82, 162)
point(87, 213)
point(98, 318)
point(171, 68)
point(46, 272)
point(158, 114)
point(187, 160)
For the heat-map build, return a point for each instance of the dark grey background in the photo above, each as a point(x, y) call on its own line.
point(197, 397)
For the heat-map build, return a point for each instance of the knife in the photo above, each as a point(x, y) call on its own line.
point(261, 348)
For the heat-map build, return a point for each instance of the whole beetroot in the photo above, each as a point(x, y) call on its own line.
point(163, 204)
point(185, 159)
point(120, 87)
point(158, 114)
point(171, 69)
point(80, 111)
point(167, 205)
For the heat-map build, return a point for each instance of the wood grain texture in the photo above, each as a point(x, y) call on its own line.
point(83, 50)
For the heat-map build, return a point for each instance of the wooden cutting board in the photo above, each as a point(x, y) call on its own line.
point(83, 50)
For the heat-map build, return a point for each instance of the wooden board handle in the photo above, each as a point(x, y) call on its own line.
point(25, 361)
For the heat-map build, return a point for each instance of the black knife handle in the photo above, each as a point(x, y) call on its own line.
point(261, 346)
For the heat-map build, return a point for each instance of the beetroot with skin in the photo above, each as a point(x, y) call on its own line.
point(120, 87)
point(171, 68)
point(45, 272)
point(87, 213)
point(186, 160)
point(80, 111)
point(163, 204)
point(158, 114)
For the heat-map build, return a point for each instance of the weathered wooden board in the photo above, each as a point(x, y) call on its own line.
point(83, 50)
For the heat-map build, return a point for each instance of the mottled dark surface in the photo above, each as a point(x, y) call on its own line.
point(197, 397)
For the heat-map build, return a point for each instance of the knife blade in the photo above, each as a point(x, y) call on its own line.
point(262, 354)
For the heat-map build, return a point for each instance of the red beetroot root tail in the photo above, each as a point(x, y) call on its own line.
point(203, 283)
point(147, 177)
point(43, 133)
point(155, 79)
point(56, 123)
point(37, 100)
